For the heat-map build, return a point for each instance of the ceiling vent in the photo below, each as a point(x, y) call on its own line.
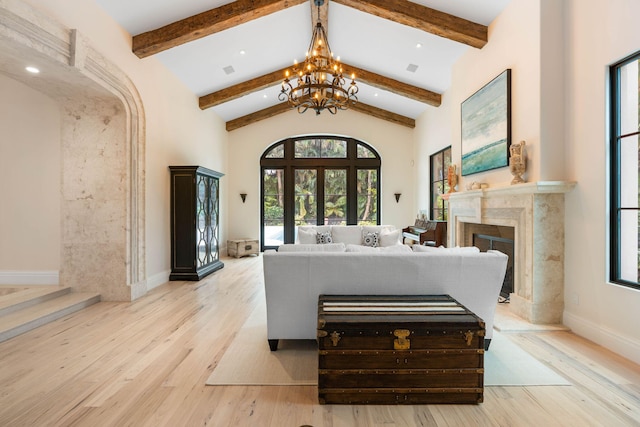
point(412, 68)
point(229, 70)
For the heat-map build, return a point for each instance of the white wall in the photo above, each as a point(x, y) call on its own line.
point(177, 131)
point(514, 42)
point(393, 142)
point(596, 36)
point(30, 153)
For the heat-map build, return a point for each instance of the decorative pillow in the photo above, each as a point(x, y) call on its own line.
point(389, 238)
point(322, 238)
point(329, 247)
point(370, 239)
point(306, 237)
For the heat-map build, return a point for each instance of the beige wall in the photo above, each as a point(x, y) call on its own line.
point(394, 143)
point(30, 192)
point(177, 131)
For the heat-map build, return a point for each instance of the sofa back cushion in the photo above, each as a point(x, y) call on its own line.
point(302, 247)
point(443, 250)
point(307, 234)
point(386, 249)
point(349, 234)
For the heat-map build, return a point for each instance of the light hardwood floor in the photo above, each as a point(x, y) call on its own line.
point(145, 363)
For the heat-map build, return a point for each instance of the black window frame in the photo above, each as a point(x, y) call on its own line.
point(615, 139)
point(434, 179)
point(289, 163)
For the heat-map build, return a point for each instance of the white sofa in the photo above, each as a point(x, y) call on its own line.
point(294, 280)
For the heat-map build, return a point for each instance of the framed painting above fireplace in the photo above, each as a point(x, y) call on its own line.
point(486, 126)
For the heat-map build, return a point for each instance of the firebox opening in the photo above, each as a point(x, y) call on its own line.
point(499, 238)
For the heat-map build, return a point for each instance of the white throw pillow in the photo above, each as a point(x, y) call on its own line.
point(306, 237)
point(329, 247)
point(347, 234)
point(389, 238)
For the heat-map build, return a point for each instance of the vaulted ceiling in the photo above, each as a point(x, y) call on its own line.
point(233, 55)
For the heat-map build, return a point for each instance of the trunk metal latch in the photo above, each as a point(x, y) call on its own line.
point(401, 342)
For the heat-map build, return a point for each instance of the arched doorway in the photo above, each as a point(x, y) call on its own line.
point(316, 180)
point(102, 144)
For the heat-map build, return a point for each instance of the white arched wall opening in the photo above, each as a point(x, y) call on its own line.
point(102, 146)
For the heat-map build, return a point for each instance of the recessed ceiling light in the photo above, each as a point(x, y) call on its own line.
point(418, 45)
point(375, 94)
point(32, 70)
point(242, 52)
point(264, 96)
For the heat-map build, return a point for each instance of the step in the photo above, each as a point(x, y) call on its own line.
point(28, 318)
point(27, 296)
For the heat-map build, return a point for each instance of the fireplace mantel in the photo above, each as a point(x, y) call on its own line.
point(536, 212)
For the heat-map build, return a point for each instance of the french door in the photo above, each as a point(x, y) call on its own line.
point(317, 181)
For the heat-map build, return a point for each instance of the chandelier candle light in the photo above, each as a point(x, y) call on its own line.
point(320, 84)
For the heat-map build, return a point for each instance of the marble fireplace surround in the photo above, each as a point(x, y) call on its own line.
point(536, 212)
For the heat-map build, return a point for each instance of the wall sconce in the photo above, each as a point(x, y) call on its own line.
point(243, 196)
point(397, 196)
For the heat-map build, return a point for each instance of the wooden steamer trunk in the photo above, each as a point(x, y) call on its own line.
point(399, 350)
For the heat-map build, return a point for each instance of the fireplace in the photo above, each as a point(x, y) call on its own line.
point(532, 215)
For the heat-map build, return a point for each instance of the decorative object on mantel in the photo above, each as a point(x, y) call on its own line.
point(397, 196)
point(243, 196)
point(517, 162)
point(486, 126)
point(320, 84)
point(452, 178)
point(477, 186)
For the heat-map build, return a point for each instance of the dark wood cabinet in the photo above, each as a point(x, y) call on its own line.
point(195, 219)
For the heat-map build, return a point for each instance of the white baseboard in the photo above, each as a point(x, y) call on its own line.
point(22, 278)
point(624, 346)
point(157, 280)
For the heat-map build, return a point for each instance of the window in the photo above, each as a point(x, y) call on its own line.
point(439, 166)
point(625, 176)
point(317, 180)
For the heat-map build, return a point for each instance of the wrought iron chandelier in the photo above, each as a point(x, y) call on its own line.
point(319, 83)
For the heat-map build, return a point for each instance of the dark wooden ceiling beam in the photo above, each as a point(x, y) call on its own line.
point(364, 76)
point(283, 107)
point(385, 83)
point(242, 89)
point(424, 18)
point(206, 23)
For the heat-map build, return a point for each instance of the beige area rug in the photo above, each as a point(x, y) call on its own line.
point(248, 361)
